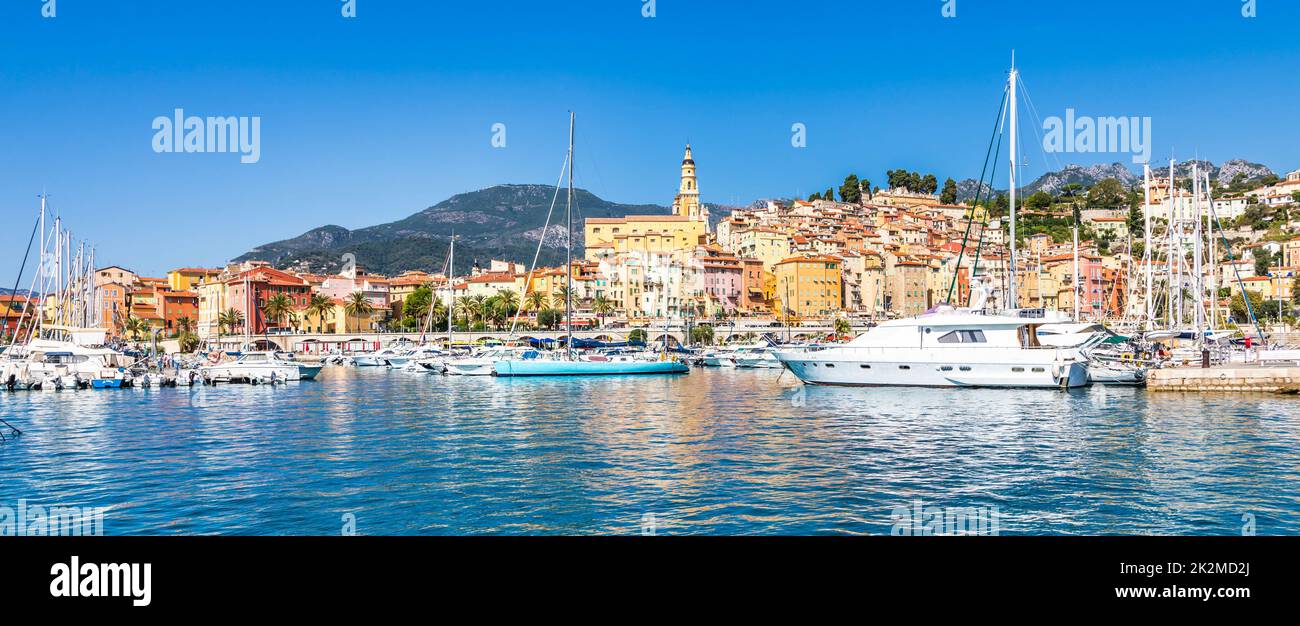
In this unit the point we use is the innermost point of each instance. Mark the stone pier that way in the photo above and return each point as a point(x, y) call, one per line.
point(1237, 378)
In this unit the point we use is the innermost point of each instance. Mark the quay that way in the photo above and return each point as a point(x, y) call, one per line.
point(1227, 378)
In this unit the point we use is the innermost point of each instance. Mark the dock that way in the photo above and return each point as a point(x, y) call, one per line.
point(1227, 378)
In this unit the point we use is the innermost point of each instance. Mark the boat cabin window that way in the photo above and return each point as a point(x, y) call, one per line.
point(254, 357)
point(964, 336)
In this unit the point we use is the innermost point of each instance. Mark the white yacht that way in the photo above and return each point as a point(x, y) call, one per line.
point(66, 364)
point(755, 357)
point(947, 348)
point(260, 366)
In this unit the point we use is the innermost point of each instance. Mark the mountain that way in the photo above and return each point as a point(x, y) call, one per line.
point(501, 222)
point(1052, 182)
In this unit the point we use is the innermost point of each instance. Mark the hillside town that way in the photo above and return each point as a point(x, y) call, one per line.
point(869, 255)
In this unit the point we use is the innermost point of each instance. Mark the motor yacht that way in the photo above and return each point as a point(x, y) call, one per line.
point(946, 348)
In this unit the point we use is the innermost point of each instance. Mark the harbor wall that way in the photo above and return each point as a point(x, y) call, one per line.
point(1227, 379)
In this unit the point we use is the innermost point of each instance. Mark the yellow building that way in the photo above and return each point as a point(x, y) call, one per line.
point(808, 286)
point(682, 230)
point(187, 278)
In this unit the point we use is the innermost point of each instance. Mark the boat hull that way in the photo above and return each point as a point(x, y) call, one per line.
point(539, 367)
point(847, 367)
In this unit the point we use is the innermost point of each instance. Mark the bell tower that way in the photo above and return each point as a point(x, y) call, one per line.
point(687, 203)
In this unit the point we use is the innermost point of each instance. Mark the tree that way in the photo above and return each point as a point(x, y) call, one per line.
point(929, 184)
point(949, 193)
point(416, 305)
point(842, 326)
point(1136, 222)
point(1107, 193)
point(357, 305)
point(318, 305)
point(702, 334)
point(851, 190)
point(277, 307)
point(535, 301)
point(549, 318)
point(601, 306)
point(815, 197)
point(231, 318)
point(185, 334)
point(637, 334)
point(507, 302)
point(561, 295)
point(134, 326)
point(1263, 261)
point(1039, 200)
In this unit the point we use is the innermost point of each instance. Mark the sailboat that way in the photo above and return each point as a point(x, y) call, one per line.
point(67, 350)
point(570, 363)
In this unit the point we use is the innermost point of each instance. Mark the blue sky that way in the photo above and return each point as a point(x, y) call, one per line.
point(370, 119)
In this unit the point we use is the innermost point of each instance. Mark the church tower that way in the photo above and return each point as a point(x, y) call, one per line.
point(687, 204)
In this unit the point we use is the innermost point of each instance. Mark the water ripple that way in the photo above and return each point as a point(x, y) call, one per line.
point(715, 452)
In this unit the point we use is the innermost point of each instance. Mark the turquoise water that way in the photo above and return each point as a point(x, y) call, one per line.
point(712, 452)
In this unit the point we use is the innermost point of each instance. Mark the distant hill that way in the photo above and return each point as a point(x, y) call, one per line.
point(1052, 182)
point(500, 222)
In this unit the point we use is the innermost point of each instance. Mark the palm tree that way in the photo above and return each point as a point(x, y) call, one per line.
point(507, 303)
point(277, 307)
point(230, 318)
point(134, 326)
point(357, 305)
point(317, 306)
point(560, 296)
point(842, 326)
point(535, 301)
point(185, 334)
point(601, 307)
point(464, 307)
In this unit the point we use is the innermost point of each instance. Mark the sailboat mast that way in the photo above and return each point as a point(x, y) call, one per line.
point(451, 288)
point(1011, 269)
point(568, 253)
point(1146, 247)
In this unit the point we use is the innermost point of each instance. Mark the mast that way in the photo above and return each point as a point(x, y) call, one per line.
point(568, 253)
point(1146, 248)
point(1175, 246)
point(451, 288)
point(1011, 270)
point(1078, 293)
point(1197, 278)
point(1209, 234)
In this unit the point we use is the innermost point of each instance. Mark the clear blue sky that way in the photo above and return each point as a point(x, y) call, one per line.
point(370, 119)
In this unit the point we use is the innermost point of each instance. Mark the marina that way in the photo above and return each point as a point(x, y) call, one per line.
point(718, 451)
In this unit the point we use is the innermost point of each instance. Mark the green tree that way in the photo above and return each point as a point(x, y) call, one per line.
point(277, 308)
point(549, 318)
point(851, 190)
point(1107, 193)
point(949, 193)
point(702, 335)
point(1136, 222)
point(318, 306)
point(185, 334)
point(842, 326)
point(231, 318)
point(416, 305)
point(601, 306)
point(637, 334)
point(535, 301)
point(357, 306)
point(1039, 200)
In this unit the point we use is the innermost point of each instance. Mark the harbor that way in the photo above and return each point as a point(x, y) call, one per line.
point(719, 451)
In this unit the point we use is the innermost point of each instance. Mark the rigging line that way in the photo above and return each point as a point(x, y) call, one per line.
point(18, 279)
point(979, 188)
point(1227, 247)
point(979, 247)
point(1037, 120)
point(540, 240)
point(433, 299)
